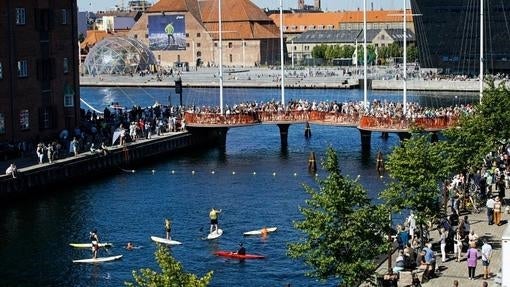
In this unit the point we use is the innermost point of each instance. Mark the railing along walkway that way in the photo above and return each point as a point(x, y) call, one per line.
point(369, 123)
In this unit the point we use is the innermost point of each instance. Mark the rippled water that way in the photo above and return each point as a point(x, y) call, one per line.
point(35, 233)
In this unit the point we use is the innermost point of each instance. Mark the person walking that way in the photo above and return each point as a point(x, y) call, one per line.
point(74, 145)
point(168, 228)
point(457, 248)
point(472, 259)
point(444, 235)
point(490, 210)
point(213, 215)
point(497, 211)
point(486, 257)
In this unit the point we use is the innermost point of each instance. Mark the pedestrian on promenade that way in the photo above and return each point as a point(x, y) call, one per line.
point(40, 152)
point(457, 248)
point(443, 236)
point(497, 211)
point(74, 146)
point(490, 210)
point(472, 259)
point(486, 257)
point(430, 260)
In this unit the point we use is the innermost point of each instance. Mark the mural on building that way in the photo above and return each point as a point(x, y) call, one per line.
point(167, 32)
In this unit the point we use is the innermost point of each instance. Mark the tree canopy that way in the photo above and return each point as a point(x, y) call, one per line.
point(172, 274)
point(344, 231)
point(417, 167)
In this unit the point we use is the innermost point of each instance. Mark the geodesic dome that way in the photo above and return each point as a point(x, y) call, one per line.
point(117, 55)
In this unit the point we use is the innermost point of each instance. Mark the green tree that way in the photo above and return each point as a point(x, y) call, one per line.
point(172, 274)
point(319, 51)
point(484, 130)
point(412, 53)
point(417, 168)
point(344, 231)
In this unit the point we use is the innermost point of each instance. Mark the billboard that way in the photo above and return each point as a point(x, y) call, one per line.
point(167, 32)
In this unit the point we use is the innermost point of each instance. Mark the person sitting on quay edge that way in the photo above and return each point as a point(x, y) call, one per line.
point(12, 170)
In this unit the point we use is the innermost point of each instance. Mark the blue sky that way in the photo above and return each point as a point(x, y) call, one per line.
point(328, 5)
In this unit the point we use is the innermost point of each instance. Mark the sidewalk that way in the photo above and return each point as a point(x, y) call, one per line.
point(452, 270)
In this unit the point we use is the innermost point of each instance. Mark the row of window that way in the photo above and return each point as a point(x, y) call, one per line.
point(21, 16)
point(46, 120)
point(310, 27)
point(22, 68)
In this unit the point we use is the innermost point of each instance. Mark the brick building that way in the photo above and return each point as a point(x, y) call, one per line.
point(186, 30)
point(38, 69)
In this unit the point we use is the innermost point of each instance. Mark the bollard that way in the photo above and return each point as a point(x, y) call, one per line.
point(312, 165)
point(308, 131)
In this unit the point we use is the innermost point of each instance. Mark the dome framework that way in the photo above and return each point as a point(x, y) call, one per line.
point(118, 55)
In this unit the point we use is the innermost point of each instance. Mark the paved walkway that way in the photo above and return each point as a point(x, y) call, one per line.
point(452, 270)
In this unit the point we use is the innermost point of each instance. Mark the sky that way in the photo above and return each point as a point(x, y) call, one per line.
point(327, 5)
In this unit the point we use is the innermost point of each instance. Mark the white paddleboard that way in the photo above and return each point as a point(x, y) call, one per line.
point(165, 241)
point(89, 245)
point(259, 231)
point(98, 260)
point(215, 234)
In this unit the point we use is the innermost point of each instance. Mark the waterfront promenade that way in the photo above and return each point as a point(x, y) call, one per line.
point(317, 77)
point(451, 270)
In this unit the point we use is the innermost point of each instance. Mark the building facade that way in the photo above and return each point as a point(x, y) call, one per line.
point(180, 31)
point(448, 35)
point(39, 76)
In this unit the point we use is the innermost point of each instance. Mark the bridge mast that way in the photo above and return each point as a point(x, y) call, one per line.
point(481, 50)
point(281, 52)
point(221, 57)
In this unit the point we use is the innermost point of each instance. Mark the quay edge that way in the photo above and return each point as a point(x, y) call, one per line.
point(37, 178)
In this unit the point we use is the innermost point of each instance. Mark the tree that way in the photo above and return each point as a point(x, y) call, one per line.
point(344, 231)
point(172, 273)
point(412, 53)
point(481, 132)
point(319, 51)
point(417, 168)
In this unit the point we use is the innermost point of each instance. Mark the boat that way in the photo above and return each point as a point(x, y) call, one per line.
point(165, 241)
point(230, 254)
point(260, 231)
point(215, 234)
point(98, 260)
point(89, 245)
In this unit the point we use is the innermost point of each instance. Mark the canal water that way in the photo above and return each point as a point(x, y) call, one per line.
point(252, 180)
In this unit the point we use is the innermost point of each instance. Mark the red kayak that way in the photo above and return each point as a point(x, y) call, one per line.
point(231, 254)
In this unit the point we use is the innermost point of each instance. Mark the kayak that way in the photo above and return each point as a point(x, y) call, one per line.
point(165, 241)
point(215, 234)
point(89, 245)
point(98, 260)
point(230, 254)
point(259, 231)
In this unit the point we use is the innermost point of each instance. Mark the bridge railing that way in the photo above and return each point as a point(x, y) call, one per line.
point(218, 119)
point(399, 123)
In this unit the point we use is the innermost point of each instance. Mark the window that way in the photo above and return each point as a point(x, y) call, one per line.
point(198, 35)
point(187, 45)
point(2, 124)
point(230, 58)
point(198, 45)
point(24, 120)
point(68, 95)
point(199, 54)
point(22, 69)
point(187, 35)
point(63, 13)
point(1, 71)
point(230, 44)
point(66, 65)
point(136, 36)
point(20, 16)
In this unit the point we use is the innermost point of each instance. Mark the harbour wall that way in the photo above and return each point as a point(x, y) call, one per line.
point(86, 166)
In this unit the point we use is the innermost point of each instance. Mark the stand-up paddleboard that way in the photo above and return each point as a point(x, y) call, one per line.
point(230, 254)
point(259, 231)
point(89, 245)
point(98, 260)
point(215, 234)
point(165, 241)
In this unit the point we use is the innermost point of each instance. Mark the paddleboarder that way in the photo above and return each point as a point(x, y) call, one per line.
point(168, 228)
point(213, 215)
point(95, 242)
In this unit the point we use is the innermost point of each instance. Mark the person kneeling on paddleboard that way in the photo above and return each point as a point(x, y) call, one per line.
point(95, 242)
point(241, 250)
point(213, 215)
